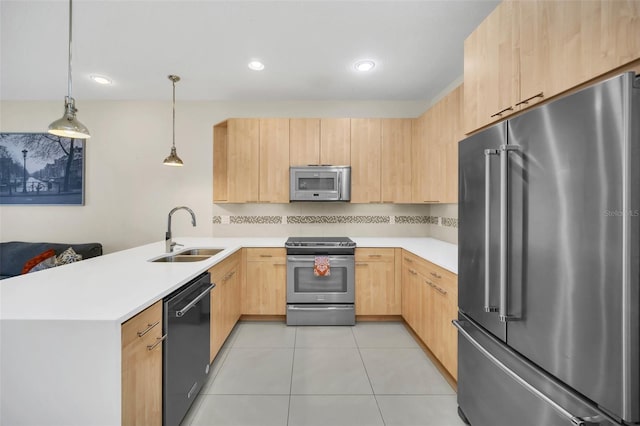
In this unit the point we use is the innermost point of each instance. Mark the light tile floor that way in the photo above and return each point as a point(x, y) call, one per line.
point(269, 374)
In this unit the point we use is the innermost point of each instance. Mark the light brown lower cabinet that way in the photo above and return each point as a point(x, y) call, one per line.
point(225, 301)
point(429, 304)
point(265, 291)
point(142, 368)
point(377, 290)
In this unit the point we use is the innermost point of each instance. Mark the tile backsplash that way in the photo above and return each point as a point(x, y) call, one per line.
point(362, 220)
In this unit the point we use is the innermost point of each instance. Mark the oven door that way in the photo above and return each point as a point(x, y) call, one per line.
point(304, 287)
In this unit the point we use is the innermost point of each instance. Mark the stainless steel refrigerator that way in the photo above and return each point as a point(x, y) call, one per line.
point(549, 253)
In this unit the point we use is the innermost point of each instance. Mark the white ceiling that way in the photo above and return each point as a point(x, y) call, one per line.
point(308, 48)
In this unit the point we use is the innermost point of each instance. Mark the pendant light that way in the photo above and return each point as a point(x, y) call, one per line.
point(68, 126)
point(173, 159)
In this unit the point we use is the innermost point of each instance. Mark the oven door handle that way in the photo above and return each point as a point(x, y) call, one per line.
point(311, 258)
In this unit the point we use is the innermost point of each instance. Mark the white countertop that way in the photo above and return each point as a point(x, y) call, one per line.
point(116, 286)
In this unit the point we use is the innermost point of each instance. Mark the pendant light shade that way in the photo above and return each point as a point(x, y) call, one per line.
point(68, 126)
point(173, 159)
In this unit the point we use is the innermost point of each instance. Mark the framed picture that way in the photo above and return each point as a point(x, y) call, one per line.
point(41, 169)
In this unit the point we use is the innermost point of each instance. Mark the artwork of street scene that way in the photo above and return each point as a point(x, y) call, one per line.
point(39, 168)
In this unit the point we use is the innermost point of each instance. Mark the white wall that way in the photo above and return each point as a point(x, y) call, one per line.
point(128, 190)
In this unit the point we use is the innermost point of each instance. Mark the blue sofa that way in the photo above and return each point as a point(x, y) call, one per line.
point(14, 254)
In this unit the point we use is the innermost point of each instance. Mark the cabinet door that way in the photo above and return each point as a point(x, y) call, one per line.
point(396, 160)
point(366, 140)
point(266, 282)
point(610, 34)
point(412, 301)
point(376, 288)
point(142, 368)
point(448, 147)
point(335, 141)
point(243, 159)
point(425, 163)
point(216, 328)
point(491, 70)
point(220, 153)
point(304, 141)
point(274, 160)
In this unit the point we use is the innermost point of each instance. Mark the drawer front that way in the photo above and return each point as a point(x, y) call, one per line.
point(266, 254)
point(375, 255)
point(144, 327)
point(222, 269)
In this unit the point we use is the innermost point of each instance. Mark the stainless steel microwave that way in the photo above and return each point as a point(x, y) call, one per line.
point(320, 183)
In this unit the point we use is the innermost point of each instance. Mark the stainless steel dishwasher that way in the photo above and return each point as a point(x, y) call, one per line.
point(187, 313)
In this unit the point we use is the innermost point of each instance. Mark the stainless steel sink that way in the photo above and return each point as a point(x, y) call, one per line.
point(190, 255)
point(200, 252)
point(182, 258)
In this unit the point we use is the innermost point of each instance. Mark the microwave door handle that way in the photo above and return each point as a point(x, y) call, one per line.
point(339, 186)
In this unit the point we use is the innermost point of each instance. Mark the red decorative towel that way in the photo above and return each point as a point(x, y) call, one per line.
point(321, 267)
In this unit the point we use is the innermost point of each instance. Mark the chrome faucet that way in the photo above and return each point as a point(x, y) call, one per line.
point(167, 237)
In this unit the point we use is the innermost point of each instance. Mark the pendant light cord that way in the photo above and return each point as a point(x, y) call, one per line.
point(70, 34)
point(174, 113)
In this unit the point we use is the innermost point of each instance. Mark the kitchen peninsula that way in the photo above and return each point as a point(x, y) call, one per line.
point(60, 336)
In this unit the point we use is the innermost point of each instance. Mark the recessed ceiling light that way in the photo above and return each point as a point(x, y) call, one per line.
point(366, 65)
point(100, 79)
point(256, 65)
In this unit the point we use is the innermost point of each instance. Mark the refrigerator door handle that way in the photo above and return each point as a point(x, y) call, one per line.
point(504, 231)
point(575, 420)
point(487, 229)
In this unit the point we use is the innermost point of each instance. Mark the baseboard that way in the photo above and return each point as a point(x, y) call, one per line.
point(246, 317)
point(373, 318)
point(445, 373)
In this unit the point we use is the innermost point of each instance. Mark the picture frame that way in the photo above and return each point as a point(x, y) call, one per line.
point(41, 169)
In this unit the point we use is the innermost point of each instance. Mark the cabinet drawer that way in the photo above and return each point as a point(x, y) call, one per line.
point(266, 254)
point(375, 255)
point(220, 270)
point(147, 325)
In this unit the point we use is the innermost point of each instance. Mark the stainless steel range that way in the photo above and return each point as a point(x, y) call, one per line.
point(320, 281)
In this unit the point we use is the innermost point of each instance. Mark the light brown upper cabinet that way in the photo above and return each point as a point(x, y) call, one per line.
point(435, 137)
point(304, 141)
point(366, 145)
point(335, 141)
point(274, 160)
point(529, 51)
point(320, 141)
point(491, 75)
point(251, 161)
point(236, 174)
point(396, 160)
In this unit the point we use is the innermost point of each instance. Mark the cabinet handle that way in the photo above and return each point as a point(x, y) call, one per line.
point(158, 341)
point(228, 276)
point(375, 255)
point(430, 283)
point(362, 264)
point(526, 101)
point(148, 329)
point(433, 274)
point(431, 201)
point(266, 255)
point(412, 272)
point(441, 291)
point(499, 113)
point(387, 201)
point(406, 259)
